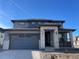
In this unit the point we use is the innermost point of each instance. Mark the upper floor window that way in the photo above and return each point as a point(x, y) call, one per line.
point(40, 22)
point(21, 23)
point(33, 23)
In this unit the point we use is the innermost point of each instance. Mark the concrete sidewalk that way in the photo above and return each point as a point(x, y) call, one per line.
point(19, 54)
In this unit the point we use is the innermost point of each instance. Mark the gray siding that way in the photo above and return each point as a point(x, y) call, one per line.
point(24, 41)
point(34, 24)
point(20, 25)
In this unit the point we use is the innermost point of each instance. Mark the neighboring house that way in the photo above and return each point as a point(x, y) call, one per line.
point(76, 42)
point(1, 37)
point(37, 34)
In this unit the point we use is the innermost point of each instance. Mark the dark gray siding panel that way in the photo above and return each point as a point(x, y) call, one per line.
point(26, 41)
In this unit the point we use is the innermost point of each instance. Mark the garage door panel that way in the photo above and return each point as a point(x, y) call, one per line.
point(28, 42)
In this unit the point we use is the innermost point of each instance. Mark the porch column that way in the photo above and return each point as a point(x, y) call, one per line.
point(56, 40)
point(71, 38)
point(6, 41)
point(42, 39)
point(51, 39)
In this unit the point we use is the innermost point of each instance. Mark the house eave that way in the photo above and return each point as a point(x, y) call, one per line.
point(37, 20)
point(66, 30)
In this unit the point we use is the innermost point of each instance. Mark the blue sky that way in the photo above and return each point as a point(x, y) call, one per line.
point(67, 10)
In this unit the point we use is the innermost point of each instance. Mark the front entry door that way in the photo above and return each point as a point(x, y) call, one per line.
point(47, 38)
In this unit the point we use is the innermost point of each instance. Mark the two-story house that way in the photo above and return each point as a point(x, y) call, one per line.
point(38, 34)
point(38, 39)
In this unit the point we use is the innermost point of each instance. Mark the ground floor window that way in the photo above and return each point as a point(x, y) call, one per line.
point(64, 40)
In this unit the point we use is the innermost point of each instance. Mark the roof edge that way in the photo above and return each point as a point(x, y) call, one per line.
point(44, 20)
point(68, 29)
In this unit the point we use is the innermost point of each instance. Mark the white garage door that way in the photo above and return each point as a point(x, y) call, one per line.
point(24, 41)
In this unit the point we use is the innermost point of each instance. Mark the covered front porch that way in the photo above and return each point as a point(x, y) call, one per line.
point(66, 38)
point(55, 38)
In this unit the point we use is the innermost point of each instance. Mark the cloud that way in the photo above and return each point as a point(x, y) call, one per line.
point(4, 14)
point(3, 26)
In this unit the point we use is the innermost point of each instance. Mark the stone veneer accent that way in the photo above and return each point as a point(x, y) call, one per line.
point(54, 55)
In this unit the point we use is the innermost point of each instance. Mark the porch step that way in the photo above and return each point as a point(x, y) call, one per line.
point(49, 49)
